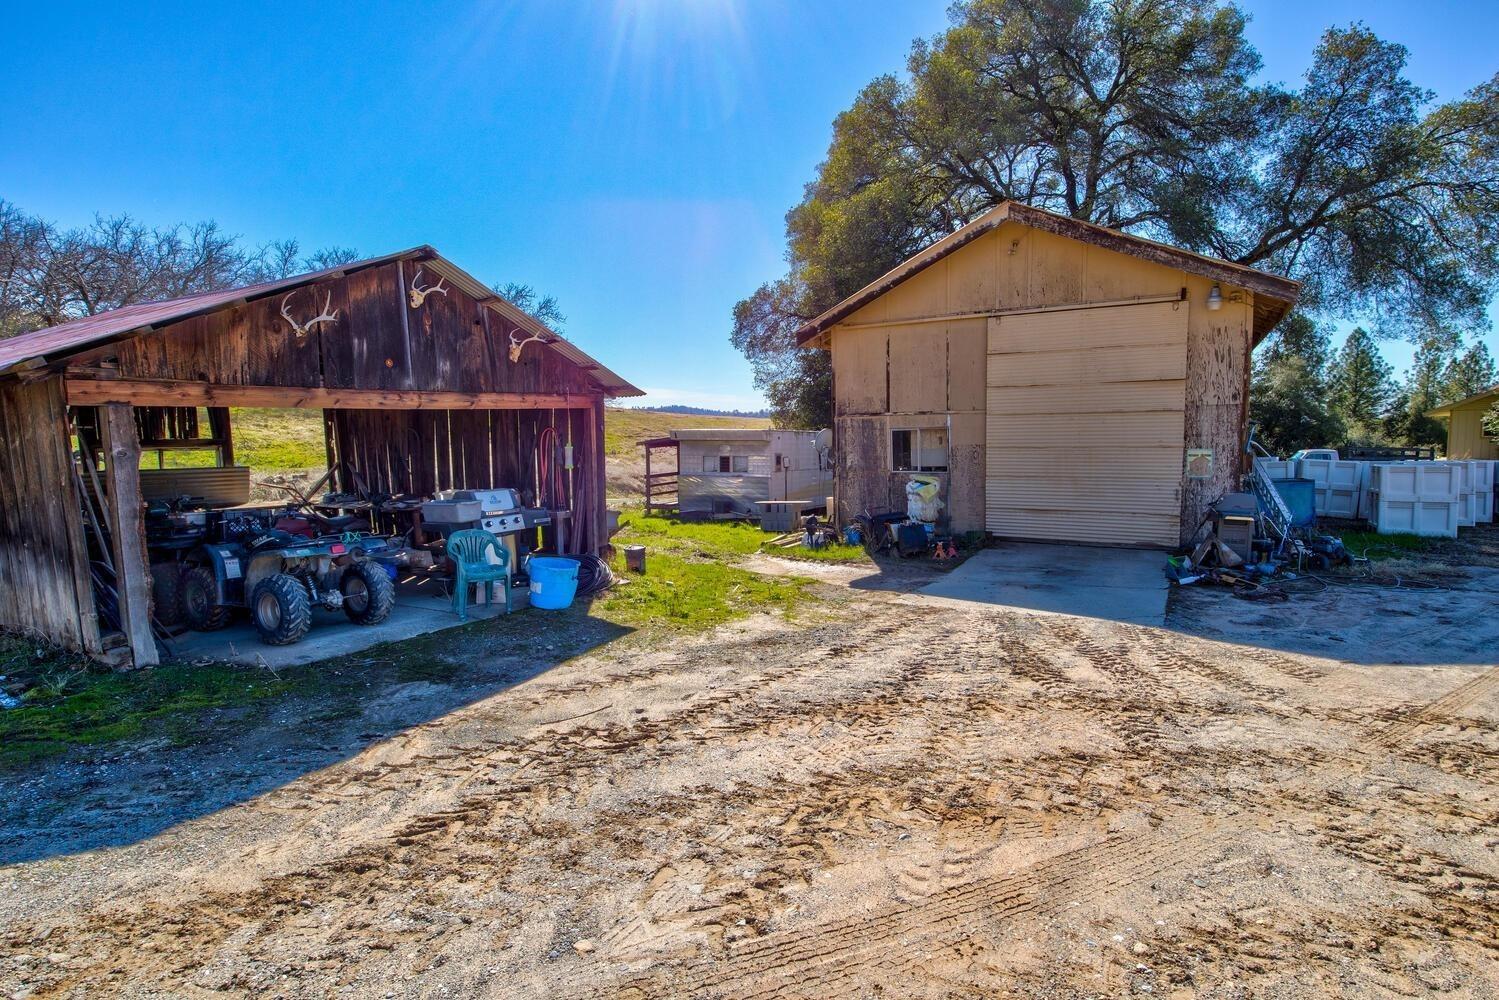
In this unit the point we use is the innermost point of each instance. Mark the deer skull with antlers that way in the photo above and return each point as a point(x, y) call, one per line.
point(418, 294)
point(303, 329)
point(517, 342)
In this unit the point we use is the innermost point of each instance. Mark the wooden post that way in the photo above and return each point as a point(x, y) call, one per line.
point(127, 530)
point(647, 480)
point(222, 434)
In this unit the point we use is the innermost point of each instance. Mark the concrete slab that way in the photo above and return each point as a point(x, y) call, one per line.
point(1125, 585)
point(421, 607)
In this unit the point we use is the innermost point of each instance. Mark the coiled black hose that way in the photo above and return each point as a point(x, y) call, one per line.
point(594, 575)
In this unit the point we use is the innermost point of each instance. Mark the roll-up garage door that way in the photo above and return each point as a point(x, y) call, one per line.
point(1085, 424)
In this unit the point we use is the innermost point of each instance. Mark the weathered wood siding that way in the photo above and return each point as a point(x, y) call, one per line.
point(452, 342)
point(421, 452)
point(44, 583)
point(891, 367)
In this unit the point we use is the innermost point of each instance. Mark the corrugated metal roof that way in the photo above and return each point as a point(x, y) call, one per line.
point(59, 342)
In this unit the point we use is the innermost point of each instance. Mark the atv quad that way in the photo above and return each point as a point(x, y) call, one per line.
point(280, 577)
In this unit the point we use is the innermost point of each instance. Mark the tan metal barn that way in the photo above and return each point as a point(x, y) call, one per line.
point(1065, 381)
point(1465, 436)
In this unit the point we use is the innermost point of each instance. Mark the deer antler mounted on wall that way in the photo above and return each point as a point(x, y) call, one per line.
point(418, 294)
point(303, 329)
point(517, 344)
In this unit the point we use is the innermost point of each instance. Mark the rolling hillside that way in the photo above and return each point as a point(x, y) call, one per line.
point(622, 428)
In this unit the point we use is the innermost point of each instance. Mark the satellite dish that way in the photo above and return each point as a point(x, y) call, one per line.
point(824, 439)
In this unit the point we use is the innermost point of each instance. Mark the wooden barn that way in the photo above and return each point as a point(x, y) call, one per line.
point(426, 381)
point(1065, 382)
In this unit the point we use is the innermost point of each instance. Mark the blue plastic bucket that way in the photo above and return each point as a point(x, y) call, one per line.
point(554, 581)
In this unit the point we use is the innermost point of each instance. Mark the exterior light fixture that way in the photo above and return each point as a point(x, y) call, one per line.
point(1215, 299)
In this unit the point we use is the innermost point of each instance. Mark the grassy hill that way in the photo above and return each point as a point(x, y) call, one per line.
point(286, 441)
point(622, 428)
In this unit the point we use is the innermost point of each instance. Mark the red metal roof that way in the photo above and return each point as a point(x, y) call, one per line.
point(58, 342)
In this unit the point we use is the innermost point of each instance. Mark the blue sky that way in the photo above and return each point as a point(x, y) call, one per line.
point(635, 158)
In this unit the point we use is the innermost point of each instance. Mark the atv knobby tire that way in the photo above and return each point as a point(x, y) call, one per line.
point(166, 593)
point(199, 599)
point(280, 609)
point(369, 594)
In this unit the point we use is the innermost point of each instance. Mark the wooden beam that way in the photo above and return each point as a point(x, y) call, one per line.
point(127, 531)
point(164, 392)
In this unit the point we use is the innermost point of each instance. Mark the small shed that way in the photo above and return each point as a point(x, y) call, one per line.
point(1064, 382)
point(1465, 435)
point(425, 380)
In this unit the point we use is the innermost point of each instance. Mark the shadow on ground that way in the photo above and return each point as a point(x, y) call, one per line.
point(1451, 622)
point(1353, 622)
point(124, 792)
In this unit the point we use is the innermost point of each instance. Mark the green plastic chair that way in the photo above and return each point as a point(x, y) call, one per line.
point(468, 549)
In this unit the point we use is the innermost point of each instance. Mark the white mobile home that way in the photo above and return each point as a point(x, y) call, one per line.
point(723, 471)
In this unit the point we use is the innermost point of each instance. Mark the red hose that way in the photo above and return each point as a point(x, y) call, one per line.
point(551, 488)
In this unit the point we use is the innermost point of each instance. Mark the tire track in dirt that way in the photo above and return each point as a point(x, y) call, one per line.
point(502, 798)
point(819, 962)
point(835, 959)
point(422, 842)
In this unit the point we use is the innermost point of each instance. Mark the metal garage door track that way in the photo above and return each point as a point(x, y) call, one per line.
point(1125, 585)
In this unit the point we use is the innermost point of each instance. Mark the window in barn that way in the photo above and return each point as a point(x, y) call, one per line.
point(918, 450)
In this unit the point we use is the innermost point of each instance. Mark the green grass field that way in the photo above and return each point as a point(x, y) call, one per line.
point(623, 428)
point(691, 582)
point(278, 441)
point(72, 702)
point(268, 441)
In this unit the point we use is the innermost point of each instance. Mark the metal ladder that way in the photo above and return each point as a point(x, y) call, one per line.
point(1276, 511)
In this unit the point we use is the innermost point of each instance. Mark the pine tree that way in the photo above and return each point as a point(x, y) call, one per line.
point(1408, 423)
point(1361, 385)
point(1288, 396)
point(1287, 409)
point(1469, 374)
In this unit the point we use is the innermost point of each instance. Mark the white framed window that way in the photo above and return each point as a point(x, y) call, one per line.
point(726, 463)
point(918, 449)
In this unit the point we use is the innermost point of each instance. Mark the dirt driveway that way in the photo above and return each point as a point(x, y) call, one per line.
point(889, 799)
